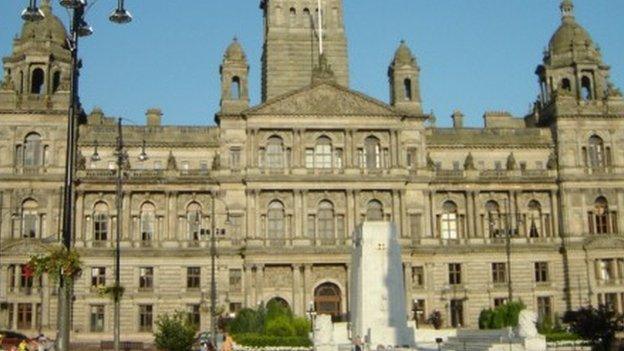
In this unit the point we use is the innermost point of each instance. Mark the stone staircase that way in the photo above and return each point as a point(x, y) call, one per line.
point(482, 340)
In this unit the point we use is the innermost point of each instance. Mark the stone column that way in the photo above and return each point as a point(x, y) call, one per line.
point(297, 300)
point(348, 150)
point(391, 155)
point(403, 213)
point(79, 217)
point(4, 275)
point(349, 213)
point(258, 232)
point(407, 280)
point(247, 286)
point(432, 216)
point(298, 215)
point(396, 216)
point(45, 301)
point(554, 214)
point(307, 285)
point(356, 207)
point(260, 283)
point(304, 214)
point(469, 215)
point(126, 218)
point(348, 287)
point(475, 213)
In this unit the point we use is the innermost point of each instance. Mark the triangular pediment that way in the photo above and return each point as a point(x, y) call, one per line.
point(24, 247)
point(323, 99)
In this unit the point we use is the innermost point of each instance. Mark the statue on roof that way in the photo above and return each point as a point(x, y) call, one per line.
point(469, 164)
point(512, 165)
point(172, 164)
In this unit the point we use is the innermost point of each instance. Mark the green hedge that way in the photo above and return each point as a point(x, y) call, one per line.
point(561, 336)
point(260, 340)
point(502, 316)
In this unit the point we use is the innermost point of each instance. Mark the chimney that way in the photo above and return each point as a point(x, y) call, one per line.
point(458, 119)
point(153, 117)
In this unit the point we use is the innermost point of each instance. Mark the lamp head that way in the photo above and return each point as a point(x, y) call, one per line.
point(120, 16)
point(72, 4)
point(32, 13)
point(143, 155)
point(84, 29)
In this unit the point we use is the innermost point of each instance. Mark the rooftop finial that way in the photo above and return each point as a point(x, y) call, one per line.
point(567, 9)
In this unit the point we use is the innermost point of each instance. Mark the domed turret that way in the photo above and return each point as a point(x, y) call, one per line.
point(50, 28)
point(404, 76)
point(572, 65)
point(234, 79)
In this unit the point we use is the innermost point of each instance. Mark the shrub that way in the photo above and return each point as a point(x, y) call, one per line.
point(280, 326)
point(175, 332)
point(302, 326)
point(596, 324)
point(502, 316)
point(275, 310)
point(561, 336)
point(435, 319)
point(260, 340)
point(247, 321)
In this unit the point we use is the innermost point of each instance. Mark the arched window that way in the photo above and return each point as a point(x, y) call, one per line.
point(275, 216)
point(565, 84)
point(235, 88)
point(601, 220)
point(586, 88)
point(293, 16)
point(327, 299)
point(148, 222)
point(306, 17)
point(374, 211)
point(449, 221)
point(279, 16)
point(21, 82)
point(275, 152)
point(493, 219)
point(56, 81)
point(37, 81)
point(100, 221)
point(326, 220)
point(596, 153)
point(30, 219)
point(534, 219)
point(32, 150)
point(193, 218)
point(323, 153)
point(407, 89)
point(372, 153)
point(278, 302)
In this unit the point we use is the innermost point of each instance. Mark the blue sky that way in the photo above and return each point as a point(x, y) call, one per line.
point(475, 55)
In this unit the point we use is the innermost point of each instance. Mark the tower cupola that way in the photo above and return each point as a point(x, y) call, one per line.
point(404, 75)
point(234, 79)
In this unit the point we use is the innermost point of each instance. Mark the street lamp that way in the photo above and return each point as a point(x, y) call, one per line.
point(78, 28)
point(121, 159)
point(214, 231)
point(312, 313)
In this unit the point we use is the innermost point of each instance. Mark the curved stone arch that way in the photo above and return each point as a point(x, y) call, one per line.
point(602, 134)
point(458, 200)
point(343, 292)
point(280, 298)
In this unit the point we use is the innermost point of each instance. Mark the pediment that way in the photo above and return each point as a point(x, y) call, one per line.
point(324, 99)
point(23, 247)
point(606, 241)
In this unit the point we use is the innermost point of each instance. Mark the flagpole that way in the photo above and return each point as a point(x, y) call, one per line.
point(320, 24)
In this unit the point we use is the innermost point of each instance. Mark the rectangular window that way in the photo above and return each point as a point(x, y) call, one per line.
point(11, 315)
point(98, 277)
point(606, 271)
point(236, 227)
point(544, 308)
point(97, 318)
point(338, 158)
point(499, 273)
point(609, 300)
point(26, 279)
point(541, 272)
point(146, 278)
point(145, 318)
point(193, 277)
point(236, 280)
point(360, 158)
point(235, 307)
point(30, 225)
point(309, 158)
point(194, 314)
point(418, 276)
point(412, 158)
point(414, 224)
point(100, 226)
point(311, 226)
point(24, 316)
point(235, 158)
point(457, 313)
point(455, 276)
point(499, 301)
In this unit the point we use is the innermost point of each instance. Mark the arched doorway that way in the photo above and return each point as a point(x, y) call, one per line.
point(279, 302)
point(328, 300)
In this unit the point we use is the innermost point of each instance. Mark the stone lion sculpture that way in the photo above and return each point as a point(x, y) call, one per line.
point(527, 324)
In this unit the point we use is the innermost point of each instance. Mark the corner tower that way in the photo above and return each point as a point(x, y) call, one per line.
point(291, 43)
point(404, 76)
point(36, 74)
point(234, 79)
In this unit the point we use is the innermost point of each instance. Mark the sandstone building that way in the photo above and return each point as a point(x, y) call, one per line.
point(287, 181)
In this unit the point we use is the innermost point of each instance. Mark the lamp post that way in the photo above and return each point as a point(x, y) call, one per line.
point(214, 231)
point(121, 159)
point(312, 314)
point(78, 28)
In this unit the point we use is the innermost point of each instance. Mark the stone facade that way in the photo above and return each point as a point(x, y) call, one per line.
point(289, 181)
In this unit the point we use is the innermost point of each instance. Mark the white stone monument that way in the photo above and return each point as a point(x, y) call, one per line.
point(377, 303)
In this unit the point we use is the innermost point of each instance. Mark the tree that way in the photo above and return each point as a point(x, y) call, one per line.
point(175, 332)
point(596, 324)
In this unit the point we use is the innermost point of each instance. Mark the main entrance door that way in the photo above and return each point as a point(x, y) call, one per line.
point(327, 300)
